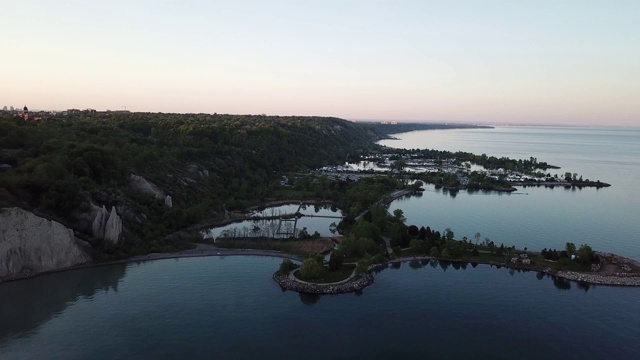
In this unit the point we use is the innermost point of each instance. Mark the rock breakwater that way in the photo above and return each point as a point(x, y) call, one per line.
point(619, 279)
point(354, 285)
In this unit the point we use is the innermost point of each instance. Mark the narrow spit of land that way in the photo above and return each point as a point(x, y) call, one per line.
point(358, 282)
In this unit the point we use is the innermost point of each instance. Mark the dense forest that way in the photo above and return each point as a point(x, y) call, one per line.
point(208, 164)
point(166, 172)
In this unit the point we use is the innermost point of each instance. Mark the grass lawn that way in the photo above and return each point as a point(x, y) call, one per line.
point(329, 276)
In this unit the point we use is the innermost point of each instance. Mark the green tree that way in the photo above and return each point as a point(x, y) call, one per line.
point(585, 254)
point(398, 216)
point(363, 265)
point(571, 249)
point(354, 248)
point(335, 260)
point(434, 251)
point(399, 164)
point(303, 233)
point(311, 269)
point(448, 234)
point(365, 229)
point(286, 266)
point(397, 251)
point(418, 246)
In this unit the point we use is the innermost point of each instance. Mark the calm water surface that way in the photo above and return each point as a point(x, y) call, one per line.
point(229, 308)
point(317, 218)
point(608, 219)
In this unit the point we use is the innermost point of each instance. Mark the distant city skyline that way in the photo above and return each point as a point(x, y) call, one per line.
point(509, 62)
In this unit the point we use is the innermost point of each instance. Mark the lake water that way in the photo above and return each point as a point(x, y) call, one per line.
point(608, 219)
point(316, 218)
point(229, 308)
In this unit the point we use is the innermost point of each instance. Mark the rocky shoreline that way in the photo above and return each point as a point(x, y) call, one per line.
point(598, 279)
point(366, 279)
point(354, 285)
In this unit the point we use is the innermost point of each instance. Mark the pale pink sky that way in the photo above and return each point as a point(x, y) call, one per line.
point(548, 62)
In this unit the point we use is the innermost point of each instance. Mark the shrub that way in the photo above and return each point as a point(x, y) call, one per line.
point(397, 251)
point(335, 260)
point(286, 266)
point(311, 269)
point(434, 251)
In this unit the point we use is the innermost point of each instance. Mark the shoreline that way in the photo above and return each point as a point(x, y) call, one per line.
point(201, 250)
point(590, 278)
point(356, 283)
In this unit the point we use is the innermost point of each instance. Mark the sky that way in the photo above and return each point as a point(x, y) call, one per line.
point(569, 62)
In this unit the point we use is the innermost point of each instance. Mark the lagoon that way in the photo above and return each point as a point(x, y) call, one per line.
point(314, 218)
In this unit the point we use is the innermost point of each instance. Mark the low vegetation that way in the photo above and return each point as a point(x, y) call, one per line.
point(304, 247)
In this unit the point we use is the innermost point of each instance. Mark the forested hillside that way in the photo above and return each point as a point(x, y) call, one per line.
point(203, 162)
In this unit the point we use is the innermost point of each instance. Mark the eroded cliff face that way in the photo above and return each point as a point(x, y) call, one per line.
point(106, 226)
point(30, 245)
point(138, 183)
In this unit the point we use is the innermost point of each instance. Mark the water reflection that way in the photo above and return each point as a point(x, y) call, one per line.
point(415, 264)
point(26, 304)
point(309, 299)
point(561, 283)
point(585, 286)
point(444, 265)
point(313, 218)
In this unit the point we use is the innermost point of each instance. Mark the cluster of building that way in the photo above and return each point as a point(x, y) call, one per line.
point(413, 163)
point(41, 115)
point(23, 113)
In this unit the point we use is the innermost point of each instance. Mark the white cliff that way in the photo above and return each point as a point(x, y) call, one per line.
point(106, 226)
point(138, 183)
point(113, 227)
point(30, 245)
point(99, 222)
